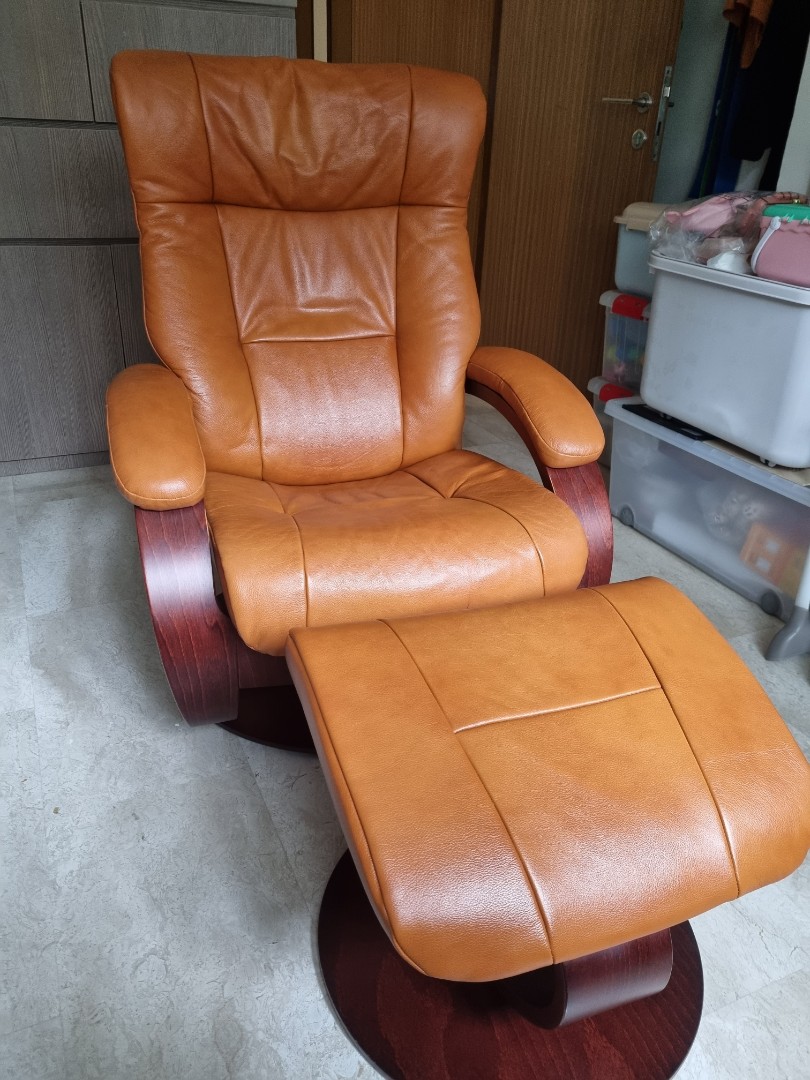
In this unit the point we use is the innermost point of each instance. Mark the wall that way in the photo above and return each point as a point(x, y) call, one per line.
point(795, 174)
point(319, 23)
point(697, 66)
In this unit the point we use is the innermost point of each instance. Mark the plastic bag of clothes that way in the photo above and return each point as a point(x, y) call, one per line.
point(720, 231)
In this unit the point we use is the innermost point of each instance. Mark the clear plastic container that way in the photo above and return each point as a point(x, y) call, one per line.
point(626, 321)
point(603, 392)
point(746, 525)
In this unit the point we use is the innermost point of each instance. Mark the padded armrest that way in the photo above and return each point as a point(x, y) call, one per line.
point(559, 421)
point(156, 456)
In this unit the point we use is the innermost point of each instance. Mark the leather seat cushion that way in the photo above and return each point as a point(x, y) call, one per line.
point(452, 532)
point(528, 784)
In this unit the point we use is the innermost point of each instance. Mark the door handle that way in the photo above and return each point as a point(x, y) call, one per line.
point(642, 102)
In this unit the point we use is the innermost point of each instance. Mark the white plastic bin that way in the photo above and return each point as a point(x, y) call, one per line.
point(743, 523)
point(730, 354)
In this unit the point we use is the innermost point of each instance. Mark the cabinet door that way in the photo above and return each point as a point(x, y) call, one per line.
point(43, 71)
point(129, 290)
point(455, 36)
point(60, 182)
point(60, 344)
point(111, 26)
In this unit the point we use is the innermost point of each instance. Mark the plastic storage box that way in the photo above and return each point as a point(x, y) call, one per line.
point(626, 322)
point(743, 523)
point(603, 392)
point(633, 249)
point(730, 354)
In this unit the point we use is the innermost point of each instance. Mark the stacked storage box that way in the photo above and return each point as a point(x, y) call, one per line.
point(744, 523)
point(627, 313)
point(730, 353)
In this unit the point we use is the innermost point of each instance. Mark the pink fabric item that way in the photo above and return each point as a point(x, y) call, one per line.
point(783, 252)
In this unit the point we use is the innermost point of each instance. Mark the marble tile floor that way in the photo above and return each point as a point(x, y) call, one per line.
point(160, 885)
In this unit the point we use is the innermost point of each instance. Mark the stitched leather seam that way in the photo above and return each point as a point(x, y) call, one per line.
point(518, 856)
point(260, 448)
point(396, 334)
point(646, 656)
point(460, 483)
point(205, 126)
point(308, 340)
point(396, 268)
point(326, 736)
point(295, 210)
point(274, 488)
point(408, 140)
point(562, 709)
point(483, 502)
point(294, 520)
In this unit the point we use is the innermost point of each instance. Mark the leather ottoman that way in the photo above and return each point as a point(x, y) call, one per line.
point(532, 796)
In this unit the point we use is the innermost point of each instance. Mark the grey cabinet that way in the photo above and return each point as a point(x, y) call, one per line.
point(63, 183)
point(60, 344)
point(126, 265)
point(43, 70)
point(71, 312)
point(111, 27)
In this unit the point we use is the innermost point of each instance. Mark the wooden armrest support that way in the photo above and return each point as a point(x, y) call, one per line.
point(580, 486)
point(197, 641)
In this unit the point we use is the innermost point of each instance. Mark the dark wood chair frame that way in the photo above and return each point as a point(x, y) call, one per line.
point(214, 676)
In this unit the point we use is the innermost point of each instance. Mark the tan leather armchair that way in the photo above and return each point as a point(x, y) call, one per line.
point(309, 290)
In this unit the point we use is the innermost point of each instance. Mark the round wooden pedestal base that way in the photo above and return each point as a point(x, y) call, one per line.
point(416, 1028)
point(272, 716)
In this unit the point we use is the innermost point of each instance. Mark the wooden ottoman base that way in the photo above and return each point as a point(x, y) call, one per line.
point(272, 716)
point(413, 1027)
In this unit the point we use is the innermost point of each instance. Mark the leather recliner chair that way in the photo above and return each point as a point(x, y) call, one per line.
point(309, 290)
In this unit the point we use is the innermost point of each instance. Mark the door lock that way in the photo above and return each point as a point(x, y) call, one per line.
point(638, 138)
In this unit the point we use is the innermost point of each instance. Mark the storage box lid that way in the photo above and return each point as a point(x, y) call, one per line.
point(627, 304)
point(639, 216)
point(607, 391)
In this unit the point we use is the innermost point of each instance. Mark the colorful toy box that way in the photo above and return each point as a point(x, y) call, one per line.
point(626, 322)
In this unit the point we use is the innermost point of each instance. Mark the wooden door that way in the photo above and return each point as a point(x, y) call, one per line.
point(562, 166)
point(455, 35)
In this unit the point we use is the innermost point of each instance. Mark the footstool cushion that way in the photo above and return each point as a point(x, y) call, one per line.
point(527, 784)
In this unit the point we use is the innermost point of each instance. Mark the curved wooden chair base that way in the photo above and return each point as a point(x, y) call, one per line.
point(272, 716)
point(417, 1028)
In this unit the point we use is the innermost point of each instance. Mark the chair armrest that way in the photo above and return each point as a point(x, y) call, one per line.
point(559, 424)
point(155, 451)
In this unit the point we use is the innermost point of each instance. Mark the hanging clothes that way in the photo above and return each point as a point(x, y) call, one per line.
point(753, 106)
point(768, 88)
point(750, 17)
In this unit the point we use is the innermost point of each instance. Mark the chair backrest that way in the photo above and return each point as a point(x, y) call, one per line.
point(305, 257)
